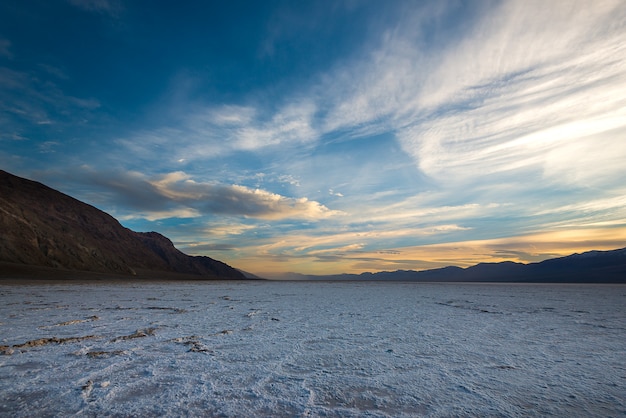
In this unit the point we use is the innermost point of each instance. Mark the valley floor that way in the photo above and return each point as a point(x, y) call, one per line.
point(312, 349)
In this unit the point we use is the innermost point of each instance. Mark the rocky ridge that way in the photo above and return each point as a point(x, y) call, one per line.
point(42, 227)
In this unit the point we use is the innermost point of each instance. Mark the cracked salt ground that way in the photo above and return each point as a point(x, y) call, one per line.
point(312, 349)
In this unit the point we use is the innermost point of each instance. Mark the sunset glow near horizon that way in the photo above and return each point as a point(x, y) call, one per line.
point(325, 137)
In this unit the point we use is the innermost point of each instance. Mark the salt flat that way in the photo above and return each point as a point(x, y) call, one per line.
point(312, 349)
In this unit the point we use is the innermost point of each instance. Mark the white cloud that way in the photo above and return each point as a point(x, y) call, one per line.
point(177, 194)
point(289, 179)
point(237, 200)
point(267, 205)
point(228, 229)
point(512, 37)
point(614, 206)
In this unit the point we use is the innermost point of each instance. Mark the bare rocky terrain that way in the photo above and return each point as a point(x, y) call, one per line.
point(46, 233)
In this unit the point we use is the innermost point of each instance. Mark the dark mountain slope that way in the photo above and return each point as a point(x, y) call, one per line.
point(43, 227)
point(591, 266)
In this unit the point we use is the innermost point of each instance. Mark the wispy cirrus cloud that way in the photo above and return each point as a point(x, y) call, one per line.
point(216, 131)
point(35, 99)
point(530, 88)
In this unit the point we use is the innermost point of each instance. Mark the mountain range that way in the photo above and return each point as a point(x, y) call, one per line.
point(46, 233)
point(588, 267)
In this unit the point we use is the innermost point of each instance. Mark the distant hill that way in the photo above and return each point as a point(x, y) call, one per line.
point(45, 231)
point(588, 267)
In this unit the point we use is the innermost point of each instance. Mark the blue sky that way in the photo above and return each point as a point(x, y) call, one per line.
point(326, 137)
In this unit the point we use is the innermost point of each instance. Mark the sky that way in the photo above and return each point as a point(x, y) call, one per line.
point(322, 137)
